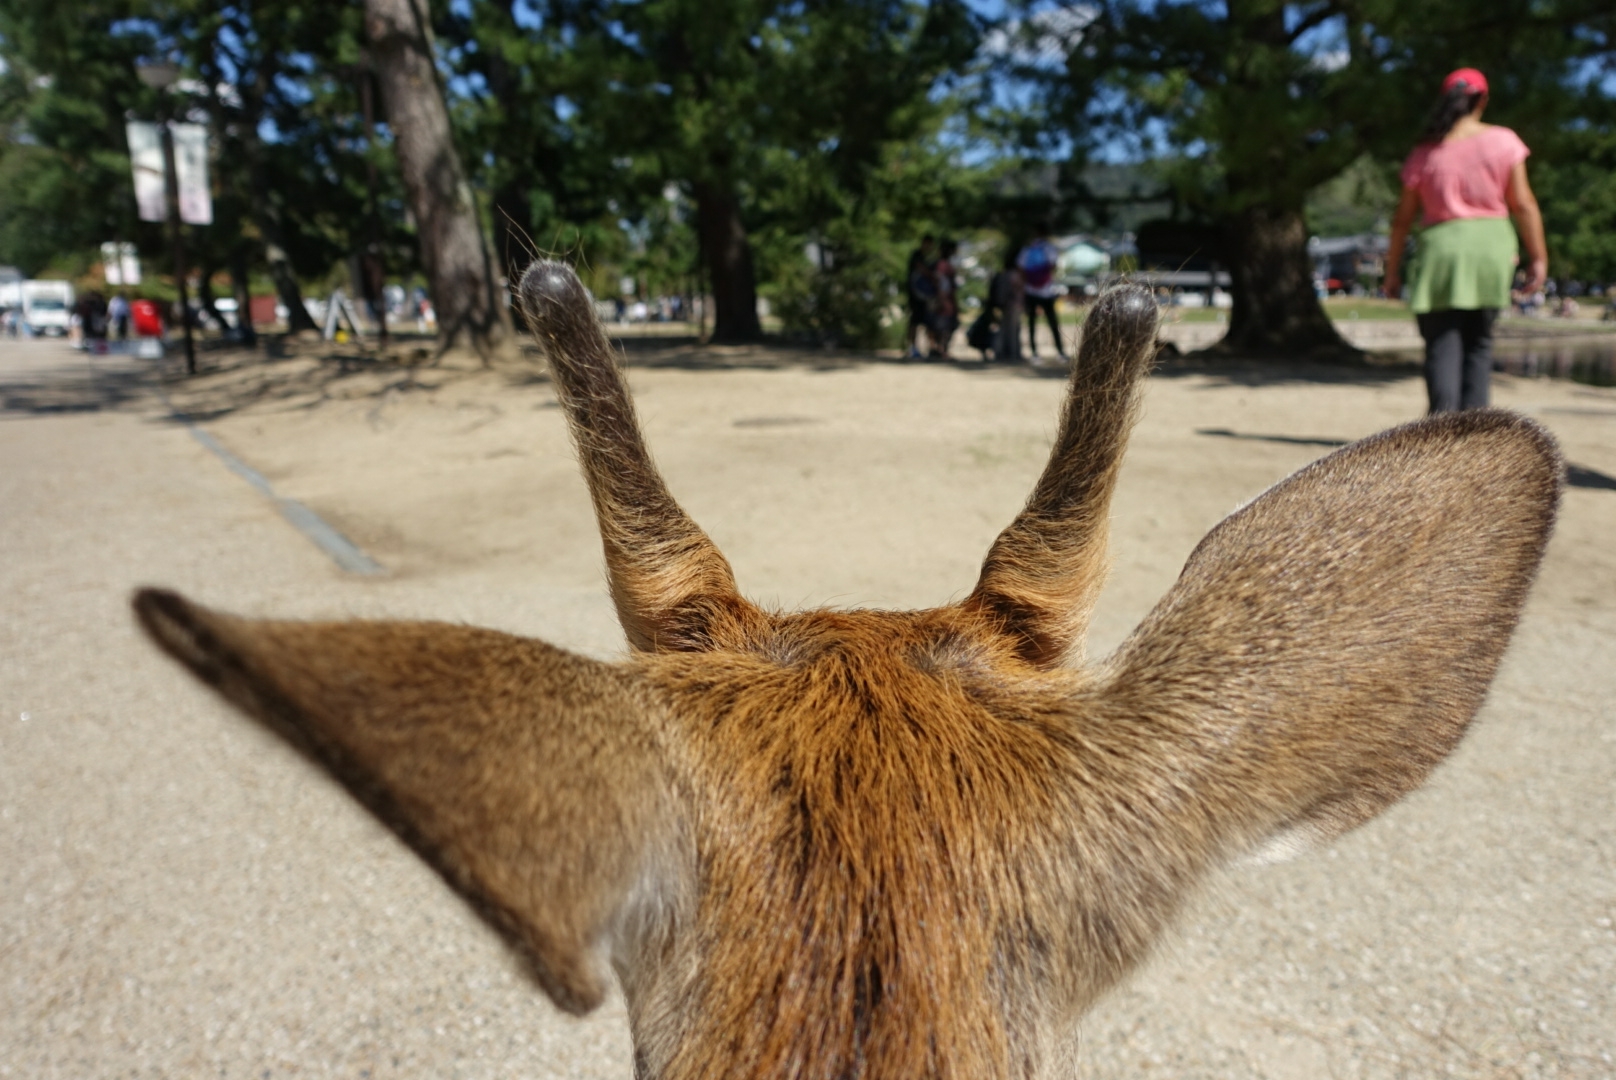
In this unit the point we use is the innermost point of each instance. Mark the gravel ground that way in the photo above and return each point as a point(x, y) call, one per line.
point(181, 896)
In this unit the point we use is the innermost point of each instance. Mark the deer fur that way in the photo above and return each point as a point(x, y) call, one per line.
point(892, 844)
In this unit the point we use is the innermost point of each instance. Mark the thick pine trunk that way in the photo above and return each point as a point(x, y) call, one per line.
point(1276, 311)
point(287, 289)
point(468, 308)
point(727, 254)
point(281, 273)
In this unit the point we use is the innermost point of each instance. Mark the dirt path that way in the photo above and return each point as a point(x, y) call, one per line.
point(179, 895)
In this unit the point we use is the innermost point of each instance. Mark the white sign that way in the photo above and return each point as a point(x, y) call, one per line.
point(191, 173)
point(121, 264)
point(146, 160)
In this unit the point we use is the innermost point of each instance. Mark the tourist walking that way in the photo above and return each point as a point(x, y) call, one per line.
point(1466, 179)
point(1004, 293)
point(118, 315)
point(1039, 289)
point(921, 286)
point(945, 310)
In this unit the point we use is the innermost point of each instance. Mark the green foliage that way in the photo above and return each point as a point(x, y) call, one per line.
point(600, 127)
point(297, 69)
point(64, 175)
point(291, 67)
point(839, 127)
point(1259, 102)
point(1360, 200)
point(1253, 105)
point(1576, 187)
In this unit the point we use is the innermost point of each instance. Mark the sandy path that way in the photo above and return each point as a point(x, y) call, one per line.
point(179, 896)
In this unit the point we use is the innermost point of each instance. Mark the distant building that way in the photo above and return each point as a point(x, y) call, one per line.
point(1341, 263)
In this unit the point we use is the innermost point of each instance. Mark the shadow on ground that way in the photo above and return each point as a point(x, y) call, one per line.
point(290, 374)
point(1592, 479)
point(1290, 440)
point(1576, 475)
point(84, 385)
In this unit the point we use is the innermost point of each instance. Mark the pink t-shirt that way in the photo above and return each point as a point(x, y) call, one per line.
point(1465, 178)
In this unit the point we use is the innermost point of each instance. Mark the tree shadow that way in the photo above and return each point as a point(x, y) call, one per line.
point(89, 386)
point(1577, 476)
point(1289, 440)
point(1590, 479)
point(1377, 370)
point(290, 374)
point(293, 376)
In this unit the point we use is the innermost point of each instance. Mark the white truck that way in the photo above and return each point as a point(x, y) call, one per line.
point(47, 306)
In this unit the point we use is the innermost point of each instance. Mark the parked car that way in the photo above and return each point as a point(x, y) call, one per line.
point(47, 306)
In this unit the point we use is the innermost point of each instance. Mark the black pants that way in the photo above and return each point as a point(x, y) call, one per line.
point(1033, 303)
point(1458, 357)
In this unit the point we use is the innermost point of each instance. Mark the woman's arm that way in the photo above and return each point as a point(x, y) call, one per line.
point(1529, 222)
point(1402, 222)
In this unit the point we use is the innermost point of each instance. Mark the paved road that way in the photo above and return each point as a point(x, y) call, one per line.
point(180, 896)
point(162, 911)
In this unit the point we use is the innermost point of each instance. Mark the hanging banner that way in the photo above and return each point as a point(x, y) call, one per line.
point(191, 173)
point(146, 159)
point(121, 264)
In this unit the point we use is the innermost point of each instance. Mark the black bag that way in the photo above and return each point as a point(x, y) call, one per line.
point(980, 335)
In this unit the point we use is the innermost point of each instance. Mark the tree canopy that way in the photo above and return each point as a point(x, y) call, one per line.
point(792, 149)
point(1252, 105)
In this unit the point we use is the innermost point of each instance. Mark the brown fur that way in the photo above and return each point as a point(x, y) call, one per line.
point(899, 844)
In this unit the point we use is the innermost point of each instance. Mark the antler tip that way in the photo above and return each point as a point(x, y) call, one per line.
point(549, 289)
point(1129, 309)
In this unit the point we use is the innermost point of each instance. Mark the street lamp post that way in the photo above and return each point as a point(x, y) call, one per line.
point(159, 77)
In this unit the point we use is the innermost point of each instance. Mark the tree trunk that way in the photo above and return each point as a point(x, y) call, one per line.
point(267, 218)
point(728, 257)
point(205, 297)
point(469, 311)
point(511, 211)
point(1276, 311)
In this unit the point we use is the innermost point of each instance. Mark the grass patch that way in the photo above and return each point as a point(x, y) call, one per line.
point(1365, 307)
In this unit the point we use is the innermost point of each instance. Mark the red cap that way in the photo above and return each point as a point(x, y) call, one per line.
point(1470, 78)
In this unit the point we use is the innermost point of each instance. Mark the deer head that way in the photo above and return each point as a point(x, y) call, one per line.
point(893, 844)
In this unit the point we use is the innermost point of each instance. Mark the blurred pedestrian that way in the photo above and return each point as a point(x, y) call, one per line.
point(95, 322)
point(945, 310)
point(1469, 179)
point(920, 283)
point(118, 315)
point(1039, 288)
point(1004, 293)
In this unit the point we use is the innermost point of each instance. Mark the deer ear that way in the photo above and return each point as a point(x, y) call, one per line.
point(531, 779)
point(1327, 645)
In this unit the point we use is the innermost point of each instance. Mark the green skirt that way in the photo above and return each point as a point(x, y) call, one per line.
point(1464, 264)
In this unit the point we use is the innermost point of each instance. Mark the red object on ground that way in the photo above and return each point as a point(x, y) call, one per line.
point(148, 321)
point(261, 309)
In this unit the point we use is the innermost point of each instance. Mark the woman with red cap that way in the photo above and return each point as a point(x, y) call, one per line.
point(1469, 179)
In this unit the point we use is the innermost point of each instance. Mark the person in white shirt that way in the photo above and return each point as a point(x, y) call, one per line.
point(1037, 263)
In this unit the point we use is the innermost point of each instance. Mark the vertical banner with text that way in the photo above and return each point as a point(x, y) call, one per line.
point(191, 173)
point(146, 159)
point(120, 264)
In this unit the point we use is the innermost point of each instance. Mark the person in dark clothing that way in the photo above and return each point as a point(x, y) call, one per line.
point(945, 311)
point(921, 285)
